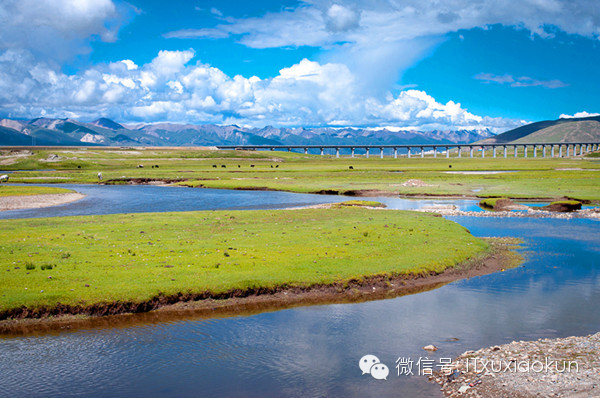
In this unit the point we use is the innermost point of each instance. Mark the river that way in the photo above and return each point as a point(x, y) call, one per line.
point(314, 351)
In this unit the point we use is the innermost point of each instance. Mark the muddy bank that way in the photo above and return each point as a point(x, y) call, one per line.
point(543, 368)
point(25, 320)
point(142, 181)
point(37, 201)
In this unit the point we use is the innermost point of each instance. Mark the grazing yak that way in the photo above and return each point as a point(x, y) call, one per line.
point(4, 178)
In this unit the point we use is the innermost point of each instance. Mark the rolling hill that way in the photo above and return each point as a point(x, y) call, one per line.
point(561, 130)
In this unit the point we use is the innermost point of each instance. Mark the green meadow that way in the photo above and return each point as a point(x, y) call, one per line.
point(11, 190)
point(135, 257)
point(525, 178)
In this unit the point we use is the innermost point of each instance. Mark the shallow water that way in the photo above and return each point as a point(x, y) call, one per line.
point(111, 199)
point(314, 351)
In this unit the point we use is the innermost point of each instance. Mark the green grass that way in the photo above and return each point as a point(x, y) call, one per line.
point(359, 203)
point(566, 202)
point(134, 257)
point(489, 202)
point(548, 178)
point(11, 190)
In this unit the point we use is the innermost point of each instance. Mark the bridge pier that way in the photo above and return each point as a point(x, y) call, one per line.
point(470, 151)
point(535, 151)
point(447, 152)
point(483, 151)
point(516, 150)
point(580, 149)
point(306, 151)
point(543, 151)
point(395, 153)
point(551, 151)
point(435, 152)
point(321, 151)
point(337, 152)
point(380, 153)
point(422, 152)
point(352, 150)
point(409, 152)
point(568, 150)
point(367, 153)
point(494, 151)
point(560, 151)
point(525, 150)
point(505, 151)
point(459, 151)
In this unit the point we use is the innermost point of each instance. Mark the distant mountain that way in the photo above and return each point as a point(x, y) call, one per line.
point(103, 131)
point(561, 130)
point(107, 123)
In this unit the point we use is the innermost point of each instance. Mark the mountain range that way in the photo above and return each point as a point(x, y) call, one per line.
point(106, 132)
point(103, 131)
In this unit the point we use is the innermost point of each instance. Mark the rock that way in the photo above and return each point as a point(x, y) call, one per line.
point(463, 389)
point(430, 347)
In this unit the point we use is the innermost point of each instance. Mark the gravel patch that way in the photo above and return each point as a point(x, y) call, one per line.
point(452, 210)
point(565, 367)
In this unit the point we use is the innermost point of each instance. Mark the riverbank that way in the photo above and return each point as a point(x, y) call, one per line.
point(15, 202)
point(499, 256)
point(544, 368)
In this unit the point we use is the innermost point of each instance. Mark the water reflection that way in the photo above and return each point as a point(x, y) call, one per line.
point(111, 199)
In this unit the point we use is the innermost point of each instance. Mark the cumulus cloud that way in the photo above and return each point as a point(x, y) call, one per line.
point(521, 81)
point(579, 115)
point(172, 87)
point(409, 19)
point(56, 30)
point(394, 34)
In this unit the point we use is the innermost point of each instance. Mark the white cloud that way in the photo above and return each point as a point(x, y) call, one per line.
point(378, 39)
point(341, 19)
point(521, 81)
point(172, 87)
point(579, 115)
point(58, 29)
point(130, 64)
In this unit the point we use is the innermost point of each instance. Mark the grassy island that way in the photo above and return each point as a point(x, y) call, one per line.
point(91, 260)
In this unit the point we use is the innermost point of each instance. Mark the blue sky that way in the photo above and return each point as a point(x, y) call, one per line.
point(417, 64)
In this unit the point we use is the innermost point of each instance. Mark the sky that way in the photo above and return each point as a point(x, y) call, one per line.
point(401, 64)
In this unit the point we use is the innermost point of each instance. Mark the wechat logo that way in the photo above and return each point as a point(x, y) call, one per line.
point(370, 364)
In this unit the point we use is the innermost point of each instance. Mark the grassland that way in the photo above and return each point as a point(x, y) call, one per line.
point(12, 190)
point(547, 178)
point(81, 261)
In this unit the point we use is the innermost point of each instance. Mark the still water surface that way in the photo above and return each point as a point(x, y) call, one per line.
point(111, 199)
point(314, 351)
